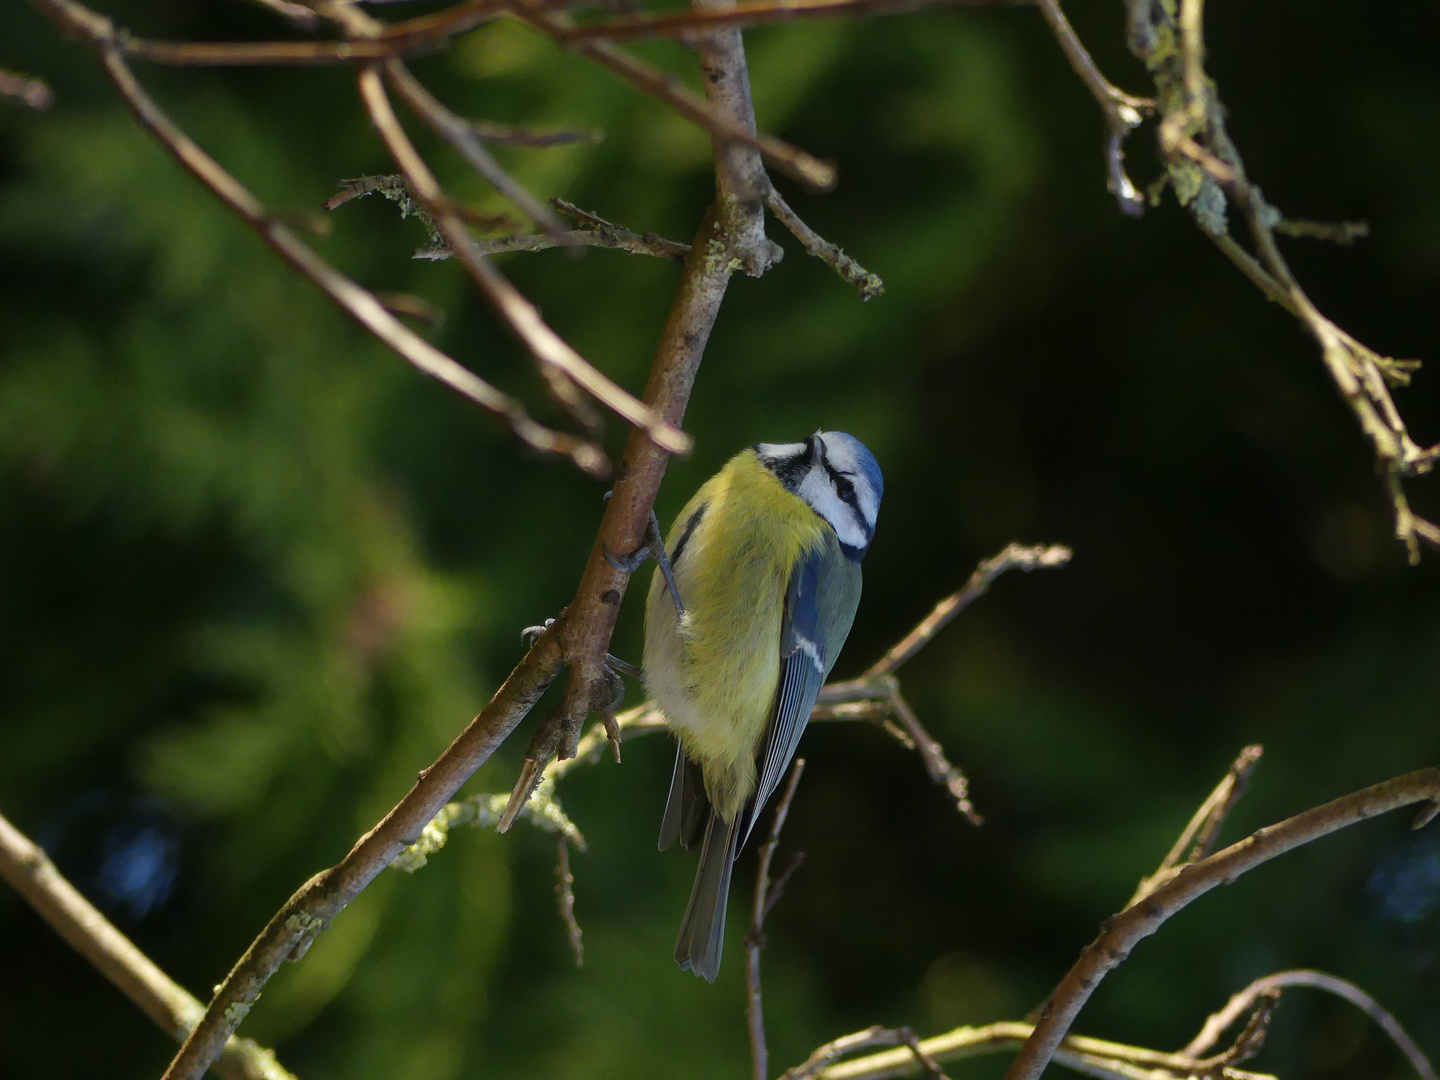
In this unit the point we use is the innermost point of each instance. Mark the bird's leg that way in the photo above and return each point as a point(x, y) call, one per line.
point(653, 546)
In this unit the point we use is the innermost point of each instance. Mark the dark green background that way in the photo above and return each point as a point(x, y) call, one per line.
point(255, 572)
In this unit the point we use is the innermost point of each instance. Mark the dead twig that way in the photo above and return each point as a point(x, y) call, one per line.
point(594, 231)
point(565, 894)
point(1200, 834)
point(868, 285)
point(755, 939)
point(397, 39)
point(738, 16)
point(795, 163)
point(1123, 112)
point(27, 89)
point(26, 867)
point(1014, 557)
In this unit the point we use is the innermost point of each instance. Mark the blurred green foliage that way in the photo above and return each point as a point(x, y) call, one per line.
point(256, 572)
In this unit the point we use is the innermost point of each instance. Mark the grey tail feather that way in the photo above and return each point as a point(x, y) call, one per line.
point(687, 807)
point(670, 825)
point(702, 934)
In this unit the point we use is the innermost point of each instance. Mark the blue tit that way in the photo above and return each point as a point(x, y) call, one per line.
point(766, 559)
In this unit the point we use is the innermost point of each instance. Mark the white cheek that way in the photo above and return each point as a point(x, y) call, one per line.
point(816, 490)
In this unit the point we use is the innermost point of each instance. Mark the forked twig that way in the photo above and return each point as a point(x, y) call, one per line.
point(1317, 980)
point(1199, 835)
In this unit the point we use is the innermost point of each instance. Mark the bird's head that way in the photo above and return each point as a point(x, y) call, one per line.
point(837, 476)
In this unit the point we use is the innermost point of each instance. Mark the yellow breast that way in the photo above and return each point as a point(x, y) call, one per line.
point(715, 676)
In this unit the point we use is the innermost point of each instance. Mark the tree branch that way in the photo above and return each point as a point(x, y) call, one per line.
point(1123, 112)
point(743, 15)
point(26, 867)
point(1120, 933)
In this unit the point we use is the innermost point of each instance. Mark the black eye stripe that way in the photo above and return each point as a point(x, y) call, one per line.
point(843, 487)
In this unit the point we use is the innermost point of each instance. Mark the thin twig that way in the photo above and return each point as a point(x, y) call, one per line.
point(27, 89)
point(1198, 837)
point(1122, 932)
point(26, 867)
point(1318, 980)
point(1343, 233)
point(1207, 174)
point(524, 136)
point(868, 285)
point(755, 939)
point(1014, 557)
point(795, 163)
point(398, 39)
point(296, 14)
point(461, 134)
point(1099, 1058)
point(740, 16)
point(565, 894)
point(1123, 112)
point(595, 231)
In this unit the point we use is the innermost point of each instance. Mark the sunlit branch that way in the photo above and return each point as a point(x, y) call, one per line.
point(26, 867)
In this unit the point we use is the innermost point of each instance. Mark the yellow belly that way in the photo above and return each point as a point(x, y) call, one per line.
point(715, 676)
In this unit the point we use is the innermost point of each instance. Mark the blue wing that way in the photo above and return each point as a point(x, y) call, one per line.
point(819, 608)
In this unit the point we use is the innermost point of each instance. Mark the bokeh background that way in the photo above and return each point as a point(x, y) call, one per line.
point(256, 572)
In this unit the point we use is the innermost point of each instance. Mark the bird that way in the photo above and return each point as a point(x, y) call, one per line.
point(741, 631)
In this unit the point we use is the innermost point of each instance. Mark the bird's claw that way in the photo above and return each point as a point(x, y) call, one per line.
point(532, 634)
point(614, 663)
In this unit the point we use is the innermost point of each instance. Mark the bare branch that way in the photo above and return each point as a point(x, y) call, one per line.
point(397, 39)
point(115, 956)
point(296, 925)
point(1123, 112)
point(1120, 933)
point(461, 134)
point(565, 894)
point(295, 14)
point(595, 231)
point(1343, 233)
point(27, 89)
point(1199, 835)
point(1014, 557)
point(755, 939)
point(742, 15)
point(1317, 980)
point(868, 285)
point(808, 170)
